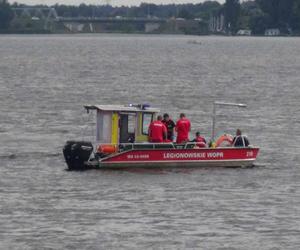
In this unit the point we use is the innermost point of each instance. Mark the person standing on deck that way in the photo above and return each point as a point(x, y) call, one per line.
point(183, 127)
point(157, 130)
point(170, 125)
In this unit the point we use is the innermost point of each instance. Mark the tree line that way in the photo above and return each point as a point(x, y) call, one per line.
point(260, 15)
point(256, 15)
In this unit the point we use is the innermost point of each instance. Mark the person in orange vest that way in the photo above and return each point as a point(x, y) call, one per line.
point(157, 130)
point(183, 127)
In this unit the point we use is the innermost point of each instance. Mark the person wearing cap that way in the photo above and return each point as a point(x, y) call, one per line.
point(170, 125)
point(157, 131)
point(183, 127)
point(200, 141)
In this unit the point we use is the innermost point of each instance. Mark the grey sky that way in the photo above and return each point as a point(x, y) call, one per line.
point(112, 2)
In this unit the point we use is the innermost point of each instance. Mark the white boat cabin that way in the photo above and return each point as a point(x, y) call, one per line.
point(122, 124)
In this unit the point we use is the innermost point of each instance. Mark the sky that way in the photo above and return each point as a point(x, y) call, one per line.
point(112, 2)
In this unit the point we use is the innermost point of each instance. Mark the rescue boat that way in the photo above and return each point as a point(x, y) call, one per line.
point(122, 141)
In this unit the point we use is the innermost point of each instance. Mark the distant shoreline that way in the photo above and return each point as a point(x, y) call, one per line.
point(44, 32)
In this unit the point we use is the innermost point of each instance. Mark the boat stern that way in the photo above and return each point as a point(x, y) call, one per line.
point(76, 153)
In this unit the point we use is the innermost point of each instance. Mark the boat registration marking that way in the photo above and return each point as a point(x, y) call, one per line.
point(138, 156)
point(250, 154)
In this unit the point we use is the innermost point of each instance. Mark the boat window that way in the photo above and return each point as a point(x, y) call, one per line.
point(147, 119)
point(131, 124)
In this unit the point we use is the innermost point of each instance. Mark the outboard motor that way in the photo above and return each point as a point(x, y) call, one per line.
point(76, 153)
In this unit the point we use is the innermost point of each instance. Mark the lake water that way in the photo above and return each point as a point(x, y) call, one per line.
point(45, 80)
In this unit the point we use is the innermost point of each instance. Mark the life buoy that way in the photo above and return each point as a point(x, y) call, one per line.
point(107, 148)
point(224, 140)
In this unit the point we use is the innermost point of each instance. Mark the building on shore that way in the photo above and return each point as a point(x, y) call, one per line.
point(217, 24)
point(272, 32)
point(244, 33)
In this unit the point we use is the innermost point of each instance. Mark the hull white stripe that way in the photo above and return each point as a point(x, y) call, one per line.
point(174, 161)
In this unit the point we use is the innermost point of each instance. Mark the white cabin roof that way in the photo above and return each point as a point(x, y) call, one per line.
point(122, 108)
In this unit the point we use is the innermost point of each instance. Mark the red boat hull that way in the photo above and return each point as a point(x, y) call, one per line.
point(223, 157)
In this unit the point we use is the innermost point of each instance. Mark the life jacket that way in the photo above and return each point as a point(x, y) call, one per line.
point(200, 142)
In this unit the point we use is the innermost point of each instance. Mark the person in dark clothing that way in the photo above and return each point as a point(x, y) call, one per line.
point(170, 125)
point(240, 140)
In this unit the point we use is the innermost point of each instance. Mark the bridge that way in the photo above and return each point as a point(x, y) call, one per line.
point(98, 24)
point(44, 14)
point(111, 19)
point(50, 20)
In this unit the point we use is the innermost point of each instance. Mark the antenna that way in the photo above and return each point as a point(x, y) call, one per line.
point(241, 105)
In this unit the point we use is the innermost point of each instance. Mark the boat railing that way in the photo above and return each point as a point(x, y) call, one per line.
point(148, 145)
point(141, 145)
point(189, 145)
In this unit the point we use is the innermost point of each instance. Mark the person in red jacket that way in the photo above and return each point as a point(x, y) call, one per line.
point(199, 141)
point(183, 127)
point(157, 130)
